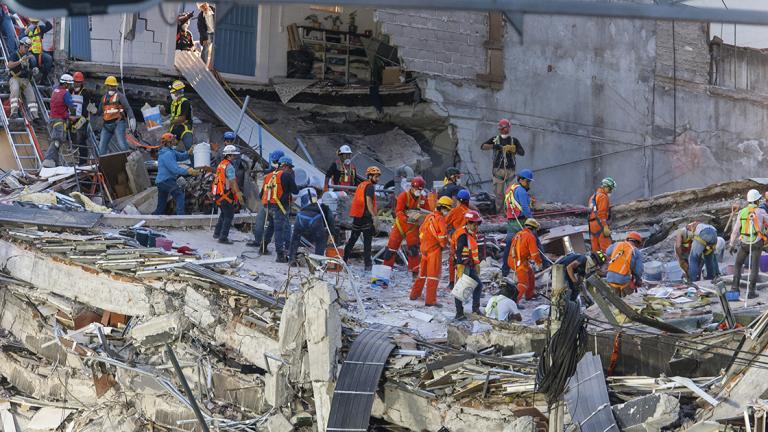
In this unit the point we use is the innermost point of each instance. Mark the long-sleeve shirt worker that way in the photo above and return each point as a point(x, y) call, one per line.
point(123, 101)
point(526, 248)
point(168, 164)
point(524, 199)
point(635, 267)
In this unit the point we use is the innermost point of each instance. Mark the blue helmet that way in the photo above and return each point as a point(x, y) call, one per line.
point(526, 174)
point(285, 160)
point(229, 136)
point(463, 195)
point(275, 156)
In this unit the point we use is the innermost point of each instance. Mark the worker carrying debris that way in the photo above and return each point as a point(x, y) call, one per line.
point(168, 170)
point(625, 264)
point(264, 227)
point(181, 115)
point(433, 237)
point(35, 32)
point(184, 41)
point(578, 268)
point(58, 119)
point(517, 208)
point(695, 244)
point(456, 220)
point(410, 209)
point(342, 171)
point(451, 183)
point(505, 148)
point(467, 259)
point(365, 219)
point(84, 104)
point(227, 193)
point(312, 223)
point(21, 64)
point(524, 248)
point(502, 306)
point(115, 109)
point(599, 214)
point(276, 193)
point(749, 229)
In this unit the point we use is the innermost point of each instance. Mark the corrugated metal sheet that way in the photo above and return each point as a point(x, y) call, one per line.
point(17, 215)
point(209, 89)
point(235, 41)
point(587, 397)
point(79, 37)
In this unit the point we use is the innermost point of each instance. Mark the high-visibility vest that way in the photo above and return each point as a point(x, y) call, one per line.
point(469, 252)
point(175, 113)
point(512, 207)
point(113, 109)
point(411, 203)
point(347, 173)
point(750, 228)
point(273, 188)
point(689, 234)
point(593, 216)
point(621, 258)
point(35, 35)
point(59, 109)
point(220, 187)
point(357, 209)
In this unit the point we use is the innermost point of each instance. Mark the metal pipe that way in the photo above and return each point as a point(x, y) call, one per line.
point(187, 390)
point(564, 7)
point(242, 114)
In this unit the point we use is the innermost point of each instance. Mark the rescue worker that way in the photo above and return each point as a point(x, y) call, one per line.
point(58, 119)
point(451, 183)
point(455, 220)
point(264, 227)
point(502, 306)
point(625, 264)
point(599, 214)
point(35, 32)
point(695, 244)
point(241, 165)
point(405, 229)
point(184, 41)
point(524, 249)
point(181, 115)
point(342, 171)
point(276, 194)
point(517, 208)
point(313, 223)
point(168, 170)
point(578, 267)
point(114, 108)
point(20, 64)
point(84, 104)
point(505, 150)
point(467, 259)
point(7, 28)
point(227, 193)
point(206, 21)
point(433, 237)
point(749, 229)
point(365, 217)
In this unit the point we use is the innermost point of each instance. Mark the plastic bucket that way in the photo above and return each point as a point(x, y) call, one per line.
point(147, 238)
point(151, 114)
point(202, 155)
point(653, 270)
point(380, 275)
point(673, 272)
point(764, 263)
point(164, 243)
point(463, 288)
point(332, 252)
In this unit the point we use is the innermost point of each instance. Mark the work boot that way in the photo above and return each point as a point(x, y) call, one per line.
point(450, 286)
point(281, 257)
point(751, 294)
point(476, 310)
point(434, 305)
point(49, 164)
point(460, 317)
point(252, 243)
point(264, 250)
point(225, 241)
point(216, 236)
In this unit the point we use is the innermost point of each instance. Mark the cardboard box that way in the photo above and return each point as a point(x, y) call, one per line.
point(390, 75)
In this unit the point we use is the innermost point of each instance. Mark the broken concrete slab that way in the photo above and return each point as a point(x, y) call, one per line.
point(248, 342)
point(198, 308)
point(513, 338)
point(648, 413)
point(167, 221)
point(278, 423)
point(48, 418)
point(322, 327)
point(138, 177)
point(246, 391)
point(159, 330)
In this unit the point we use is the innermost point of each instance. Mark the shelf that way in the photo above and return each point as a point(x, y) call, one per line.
point(343, 58)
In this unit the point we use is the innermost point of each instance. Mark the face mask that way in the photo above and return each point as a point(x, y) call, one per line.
point(78, 88)
point(174, 96)
point(111, 92)
point(347, 161)
point(505, 136)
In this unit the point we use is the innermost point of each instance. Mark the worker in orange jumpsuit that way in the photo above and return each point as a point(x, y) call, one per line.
point(455, 221)
point(433, 236)
point(412, 199)
point(523, 250)
point(599, 213)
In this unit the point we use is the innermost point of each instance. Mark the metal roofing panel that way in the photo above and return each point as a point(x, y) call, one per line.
point(587, 396)
point(18, 215)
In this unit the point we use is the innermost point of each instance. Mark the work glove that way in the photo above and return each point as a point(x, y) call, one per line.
point(606, 231)
point(459, 270)
point(536, 268)
point(240, 197)
point(91, 108)
point(193, 172)
point(511, 148)
point(132, 124)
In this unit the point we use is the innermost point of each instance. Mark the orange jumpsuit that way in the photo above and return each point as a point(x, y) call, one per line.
point(600, 212)
point(455, 220)
point(524, 250)
point(433, 235)
point(403, 230)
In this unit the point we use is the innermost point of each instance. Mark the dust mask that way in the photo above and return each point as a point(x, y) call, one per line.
point(347, 162)
point(111, 92)
point(174, 96)
point(505, 136)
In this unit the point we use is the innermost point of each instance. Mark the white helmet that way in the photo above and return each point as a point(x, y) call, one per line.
point(26, 41)
point(345, 149)
point(230, 150)
point(307, 196)
point(753, 195)
point(66, 79)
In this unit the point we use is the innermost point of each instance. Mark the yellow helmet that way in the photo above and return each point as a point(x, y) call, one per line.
point(176, 86)
point(533, 223)
point(445, 202)
point(111, 81)
point(373, 170)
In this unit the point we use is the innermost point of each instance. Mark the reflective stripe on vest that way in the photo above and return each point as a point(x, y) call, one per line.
point(175, 113)
point(358, 201)
point(750, 232)
point(470, 252)
point(621, 258)
point(347, 174)
point(37, 40)
point(688, 236)
point(220, 188)
point(113, 109)
point(512, 207)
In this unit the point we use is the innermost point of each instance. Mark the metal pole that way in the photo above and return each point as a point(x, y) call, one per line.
point(187, 390)
point(242, 114)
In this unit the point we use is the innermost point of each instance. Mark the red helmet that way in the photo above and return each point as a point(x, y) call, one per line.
point(473, 216)
point(503, 123)
point(418, 182)
point(78, 76)
point(634, 235)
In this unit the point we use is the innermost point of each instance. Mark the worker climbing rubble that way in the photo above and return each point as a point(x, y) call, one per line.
point(276, 193)
point(523, 250)
point(180, 123)
point(456, 220)
point(410, 208)
point(84, 104)
point(168, 170)
point(625, 264)
point(517, 208)
point(264, 227)
point(695, 245)
point(58, 119)
point(467, 259)
point(364, 213)
point(505, 148)
point(749, 230)
point(578, 267)
point(433, 237)
point(342, 171)
point(21, 64)
point(116, 113)
point(227, 193)
point(599, 215)
point(313, 222)
point(35, 31)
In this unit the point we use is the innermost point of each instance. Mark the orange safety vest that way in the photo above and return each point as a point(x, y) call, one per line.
point(688, 237)
point(113, 109)
point(348, 174)
point(512, 207)
point(593, 212)
point(220, 188)
point(272, 189)
point(471, 252)
point(621, 258)
point(358, 201)
point(411, 203)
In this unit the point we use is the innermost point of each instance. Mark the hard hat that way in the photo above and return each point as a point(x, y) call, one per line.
point(176, 86)
point(445, 202)
point(285, 160)
point(533, 223)
point(111, 81)
point(635, 236)
point(167, 137)
point(753, 195)
point(608, 182)
point(78, 77)
point(230, 150)
point(372, 170)
point(307, 196)
point(418, 182)
point(463, 195)
point(66, 79)
point(33, 20)
point(345, 149)
point(599, 257)
point(276, 155)
point(26, 41)
point(503, 123)
point(229, 136)
point(526, 174)
point(473, 216)
point(452, 171)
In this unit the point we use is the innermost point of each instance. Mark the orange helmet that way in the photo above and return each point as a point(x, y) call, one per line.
point(78, 76)
point(372, 170)
point(418, 182)
point(635, 236)
point(167, 137)
point(473, 216)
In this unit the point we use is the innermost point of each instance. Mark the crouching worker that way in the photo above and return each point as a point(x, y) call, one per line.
point(313, 222)
point(578, 267)
point(168, 170)
point(467, 259)
point(695, 245)
point(625, 265)
point(502, 306)
point(227, 193)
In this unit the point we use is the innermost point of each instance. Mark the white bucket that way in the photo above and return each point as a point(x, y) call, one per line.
point(463, 288)
point(380, 275)
point(151, 114)
point(202, 154)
